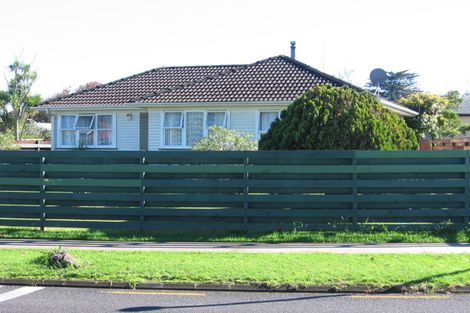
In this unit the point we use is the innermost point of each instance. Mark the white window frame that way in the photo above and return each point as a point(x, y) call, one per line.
point(258, 124)
point(184, 126)
point(182, 123)
point(112, 129)
point(95, 130)
point(59, 133)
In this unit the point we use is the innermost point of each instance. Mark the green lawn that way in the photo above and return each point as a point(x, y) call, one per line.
point(413, 270)
point(378, 236)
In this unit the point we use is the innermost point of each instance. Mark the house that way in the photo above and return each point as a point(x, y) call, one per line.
point(464, 110)
point(173, 107)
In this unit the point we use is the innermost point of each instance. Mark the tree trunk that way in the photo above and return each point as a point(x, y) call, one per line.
point(17, 129)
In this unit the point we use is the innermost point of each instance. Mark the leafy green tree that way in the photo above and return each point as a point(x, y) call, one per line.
point(21, 78)
point(4, 116)
point(397, 85)
point(455, 99)
point(338, 118)
point(223, 139)
point(436, 118)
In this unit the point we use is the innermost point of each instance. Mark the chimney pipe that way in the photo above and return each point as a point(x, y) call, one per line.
point(292, 50)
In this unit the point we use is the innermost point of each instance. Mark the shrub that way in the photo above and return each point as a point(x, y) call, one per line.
point(338, 118)
point(223, 139)
point(7, 141)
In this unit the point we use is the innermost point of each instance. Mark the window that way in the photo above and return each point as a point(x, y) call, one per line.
point(86, 134)
point(87, 130)
point(173, 128)
point(184, 129)
point(265, 119)
point(216, 119)
point(104, 130)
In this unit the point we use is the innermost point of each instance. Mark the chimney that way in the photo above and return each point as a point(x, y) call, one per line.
point(292, 50)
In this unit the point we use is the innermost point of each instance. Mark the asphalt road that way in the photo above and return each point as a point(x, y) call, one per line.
point(237, 247)
point(16, 299)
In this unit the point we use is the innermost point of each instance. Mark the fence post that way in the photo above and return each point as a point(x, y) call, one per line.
point(246, 190)
point(42, 192)
point(142, 193)
point(467, 189)
point(354, 177)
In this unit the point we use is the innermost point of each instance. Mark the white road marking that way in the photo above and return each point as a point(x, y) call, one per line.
point(18, 293)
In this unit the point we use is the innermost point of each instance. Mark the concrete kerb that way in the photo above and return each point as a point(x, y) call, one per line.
point(398, 289)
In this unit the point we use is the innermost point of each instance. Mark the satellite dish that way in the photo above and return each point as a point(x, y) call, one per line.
point(378, 76)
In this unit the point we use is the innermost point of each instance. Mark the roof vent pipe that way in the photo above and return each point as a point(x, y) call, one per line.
point(292, 50)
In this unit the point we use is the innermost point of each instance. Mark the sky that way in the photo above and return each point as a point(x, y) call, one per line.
point(71, 42)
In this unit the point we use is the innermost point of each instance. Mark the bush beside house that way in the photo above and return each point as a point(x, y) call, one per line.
point(223, 139)
point(338, 118)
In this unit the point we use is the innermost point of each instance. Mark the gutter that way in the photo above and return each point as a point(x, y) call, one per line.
point(397, 108)
point(127, 106)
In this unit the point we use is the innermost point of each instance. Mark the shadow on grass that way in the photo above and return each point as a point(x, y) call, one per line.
point(365, 236)
point(408, 286)
point(216, 305)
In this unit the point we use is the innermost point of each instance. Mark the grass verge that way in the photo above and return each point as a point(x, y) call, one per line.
point(415, 271)
point(381, 235)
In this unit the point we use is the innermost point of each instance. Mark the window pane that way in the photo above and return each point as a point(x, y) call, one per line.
point(84, 122)
point(86, 138)
point(105, 121)
point(265, 120)
point(173, 137)
point(215, 119)
point(105, 137)
point(67, 122)
point(68, 137)
point(194, 127)
point(172, 119)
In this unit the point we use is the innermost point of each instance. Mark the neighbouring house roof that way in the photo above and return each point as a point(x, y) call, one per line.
point(464, 108)
point(276, 79)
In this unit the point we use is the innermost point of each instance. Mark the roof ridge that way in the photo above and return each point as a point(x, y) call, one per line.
point(318, 72)
point(133, 76)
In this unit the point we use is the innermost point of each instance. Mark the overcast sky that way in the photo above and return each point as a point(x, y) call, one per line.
point(76, 41)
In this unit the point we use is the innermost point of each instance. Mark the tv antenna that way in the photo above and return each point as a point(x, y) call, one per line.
point(378, 76)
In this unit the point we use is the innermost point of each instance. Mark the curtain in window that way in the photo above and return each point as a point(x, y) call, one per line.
point(105, 137)
point(68, 137)
point(67, 130)
point(215, 119)
point(86, 137)
point(105, 121)
point(172, 119)
point(67, 122)
point(173, 137)
point(194, 127)
point(265, 120)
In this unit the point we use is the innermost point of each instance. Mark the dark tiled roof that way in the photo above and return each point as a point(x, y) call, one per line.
point(464, 108)
point(274, 79)
point(127, 89)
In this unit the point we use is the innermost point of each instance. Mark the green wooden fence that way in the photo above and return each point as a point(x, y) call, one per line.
point(264, 190)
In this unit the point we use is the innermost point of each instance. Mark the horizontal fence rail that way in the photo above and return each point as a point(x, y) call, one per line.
point(235, 191)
